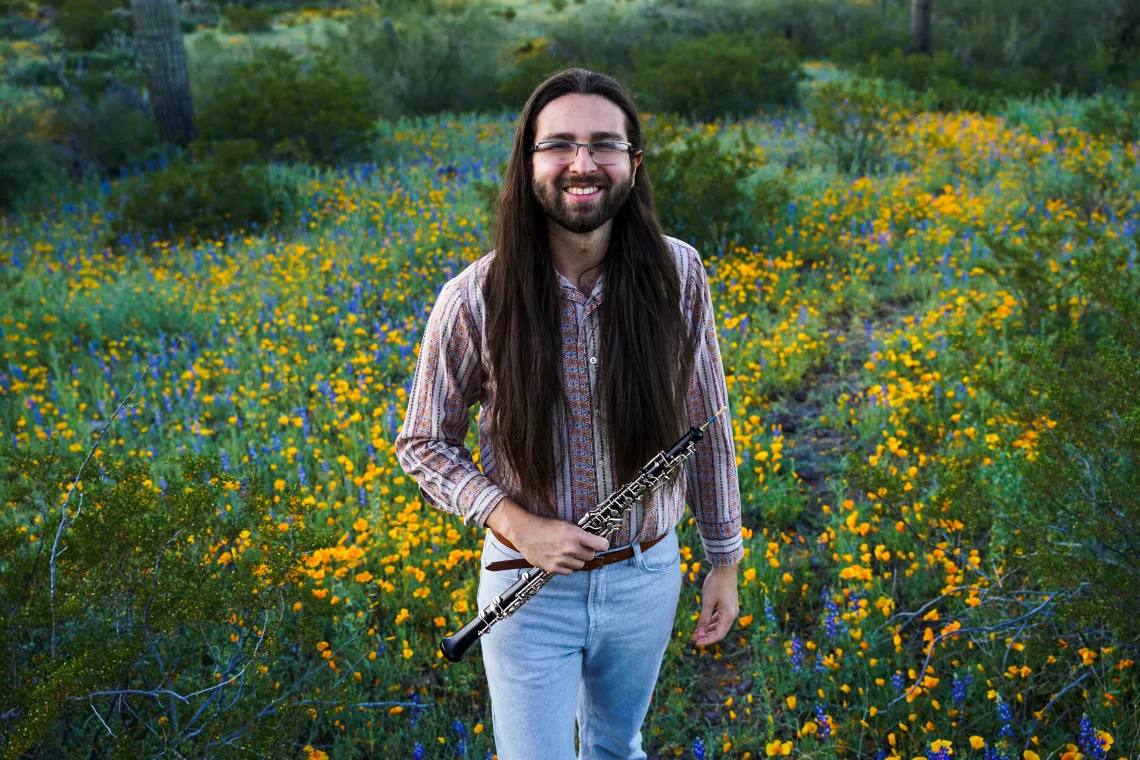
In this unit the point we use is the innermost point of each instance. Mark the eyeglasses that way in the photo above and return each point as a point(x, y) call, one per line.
point(561, 152)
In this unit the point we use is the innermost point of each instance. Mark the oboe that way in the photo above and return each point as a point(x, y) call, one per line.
point(603, 520)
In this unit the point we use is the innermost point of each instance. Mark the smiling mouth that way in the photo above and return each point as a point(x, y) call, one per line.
point(595, 191)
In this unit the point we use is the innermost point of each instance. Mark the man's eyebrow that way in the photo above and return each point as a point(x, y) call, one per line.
point(593, 136)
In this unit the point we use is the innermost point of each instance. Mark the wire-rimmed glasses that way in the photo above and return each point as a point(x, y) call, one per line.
point(562, 152)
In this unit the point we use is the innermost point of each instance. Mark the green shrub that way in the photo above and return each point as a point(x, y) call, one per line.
point(1075, 521)
point(698, 190)
point(148, 578)
point(292, 108)
point(218, 186)
point(943, 81)
point(1113, 115)
point(82, 24)
point(855, 118)
point(243, 20)
point(16, 27)
point(27, 164)
point(427, 63)
point(718, 76)
point(106, 135)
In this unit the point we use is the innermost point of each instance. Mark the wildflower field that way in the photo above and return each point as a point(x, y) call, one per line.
point(245, 571)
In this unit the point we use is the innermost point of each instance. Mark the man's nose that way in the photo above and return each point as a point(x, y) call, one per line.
point(583, 161)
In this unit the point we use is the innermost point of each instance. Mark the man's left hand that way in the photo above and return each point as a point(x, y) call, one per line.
point(719, 605)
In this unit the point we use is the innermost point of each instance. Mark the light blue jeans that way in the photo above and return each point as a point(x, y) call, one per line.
point(588, 646)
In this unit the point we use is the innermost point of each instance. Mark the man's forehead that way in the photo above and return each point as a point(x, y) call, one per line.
point(580, 118)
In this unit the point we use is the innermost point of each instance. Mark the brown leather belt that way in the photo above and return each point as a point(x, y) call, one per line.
point(593, 564)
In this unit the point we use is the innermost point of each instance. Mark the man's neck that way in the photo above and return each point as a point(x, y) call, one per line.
point(572, 254)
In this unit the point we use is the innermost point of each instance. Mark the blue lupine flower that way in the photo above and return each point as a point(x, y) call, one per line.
point(797, 653)
point(1091, 744)
point(1006, 717)
point(301, 475)
point(461, 729)
point(363, 497)
point(225, 461)
point(833, 618)
point(698, 749)
point(824, 723)
point(942, 753)
point(960, 685)
point(418, 753)
point(770, 616)
point(819, 667)
point(897, 680)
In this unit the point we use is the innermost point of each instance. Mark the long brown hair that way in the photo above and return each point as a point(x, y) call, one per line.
point(646, 349)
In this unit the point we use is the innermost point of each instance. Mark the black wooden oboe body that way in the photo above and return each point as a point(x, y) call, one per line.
point(603, 520)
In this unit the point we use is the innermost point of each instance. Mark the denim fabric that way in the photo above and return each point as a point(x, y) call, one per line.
point(587, 647)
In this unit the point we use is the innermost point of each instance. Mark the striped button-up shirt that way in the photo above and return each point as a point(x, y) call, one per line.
point(453, 373)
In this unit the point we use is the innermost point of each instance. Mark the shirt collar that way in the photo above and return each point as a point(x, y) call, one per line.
point(569, 286)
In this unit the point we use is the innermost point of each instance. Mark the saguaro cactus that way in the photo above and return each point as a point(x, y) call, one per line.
point(163, 53)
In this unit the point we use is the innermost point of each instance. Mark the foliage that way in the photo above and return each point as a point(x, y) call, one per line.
point(107, 135)
point(698, 187)
point(245, 20)
point(292, 108)
point(82, 24)
point(18, 27)
point(855, 119)
point(219, 186)
point(161, 593)
point(426, 63)
point(27, 163)
point(1113, 115)
point(718, 76)
point(1077, 392)
point(944, 83)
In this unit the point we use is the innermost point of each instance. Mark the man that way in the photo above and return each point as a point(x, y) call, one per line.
point(587, 338)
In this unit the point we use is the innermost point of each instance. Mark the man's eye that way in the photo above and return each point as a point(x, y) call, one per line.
point(558, 145)
point(610, 145)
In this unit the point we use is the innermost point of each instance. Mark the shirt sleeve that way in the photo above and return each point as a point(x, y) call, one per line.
point(711, 475)
point(448, 381)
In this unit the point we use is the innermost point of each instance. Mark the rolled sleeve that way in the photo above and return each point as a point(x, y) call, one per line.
point(711, 474)
point(448, 381)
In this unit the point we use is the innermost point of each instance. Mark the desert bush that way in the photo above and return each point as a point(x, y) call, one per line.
point(943, 81)
point(1071, 381)
point(243, 20)
point(718, 76)
point(151, 588)
point(19, 27)
point(82, 24)
point(855, 118)
point(28, 163)
point(425, 63)
point(106, 135)
point(292, 108)
point(698, 187)
point(217, 186)
point(1113, 114)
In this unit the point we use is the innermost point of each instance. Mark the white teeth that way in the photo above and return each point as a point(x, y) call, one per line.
point(582, 190)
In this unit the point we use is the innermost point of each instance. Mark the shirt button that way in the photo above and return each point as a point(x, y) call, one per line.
point(593, 360)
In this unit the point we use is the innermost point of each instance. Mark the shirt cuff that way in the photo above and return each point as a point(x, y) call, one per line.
point(477, 500)
point(724, 551)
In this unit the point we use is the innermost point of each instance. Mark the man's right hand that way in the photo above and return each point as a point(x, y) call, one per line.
point(556, 546)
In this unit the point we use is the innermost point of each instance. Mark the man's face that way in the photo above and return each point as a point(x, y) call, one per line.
point(581, 118)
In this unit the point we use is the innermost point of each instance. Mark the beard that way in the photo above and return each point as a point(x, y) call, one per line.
point(582, 216)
